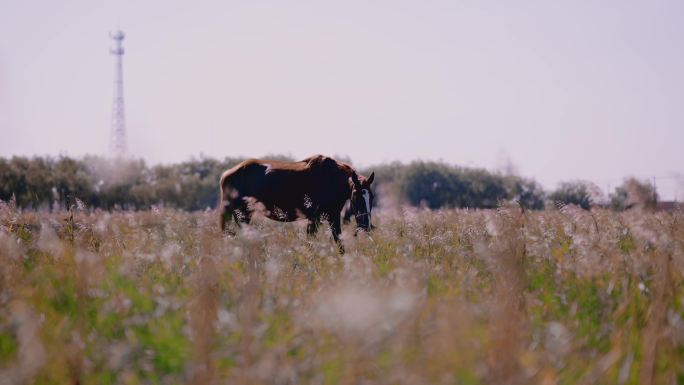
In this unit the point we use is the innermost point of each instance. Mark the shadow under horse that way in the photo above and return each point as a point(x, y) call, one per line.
point(315, 188)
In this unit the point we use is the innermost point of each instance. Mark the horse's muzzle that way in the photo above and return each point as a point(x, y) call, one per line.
point(363, 224)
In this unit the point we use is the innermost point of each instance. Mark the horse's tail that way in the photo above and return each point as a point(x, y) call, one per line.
point(224, 205)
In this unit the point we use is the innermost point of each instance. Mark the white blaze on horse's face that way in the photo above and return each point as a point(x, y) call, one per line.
point(366, 198)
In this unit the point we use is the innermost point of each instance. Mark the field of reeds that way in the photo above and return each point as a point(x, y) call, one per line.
point(430, 297)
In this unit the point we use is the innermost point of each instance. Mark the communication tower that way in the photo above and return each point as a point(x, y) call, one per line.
point(117, 139)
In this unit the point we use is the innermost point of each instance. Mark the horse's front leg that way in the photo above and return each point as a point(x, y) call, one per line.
point(312, 227)
point(336, 228)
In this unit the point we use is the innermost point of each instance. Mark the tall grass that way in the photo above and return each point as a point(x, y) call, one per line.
point(439, 297)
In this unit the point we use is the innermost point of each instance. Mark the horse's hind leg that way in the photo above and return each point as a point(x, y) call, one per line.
point(241, 214)
point(228, 215)
point(235, 211)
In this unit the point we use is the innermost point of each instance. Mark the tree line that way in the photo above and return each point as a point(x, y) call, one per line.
point(60, 182)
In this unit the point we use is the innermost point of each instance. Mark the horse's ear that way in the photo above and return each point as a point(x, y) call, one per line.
point(371, 177)
point(355, 179)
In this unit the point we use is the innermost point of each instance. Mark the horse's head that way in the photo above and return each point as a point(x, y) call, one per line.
point(362, 200)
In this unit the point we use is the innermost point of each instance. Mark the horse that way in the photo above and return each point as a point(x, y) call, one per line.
point(315, 188)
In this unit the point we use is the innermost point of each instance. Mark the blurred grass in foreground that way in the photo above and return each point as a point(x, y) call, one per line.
point(443, 297)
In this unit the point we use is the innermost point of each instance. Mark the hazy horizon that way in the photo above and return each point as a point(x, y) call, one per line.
point(560, 91)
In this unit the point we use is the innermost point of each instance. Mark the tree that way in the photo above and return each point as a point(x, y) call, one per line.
point(437, 185)
point(528, 193)
point(578, 193)
point(432, 185)
point(193, 185)
point(632, 194)
point(483, 189)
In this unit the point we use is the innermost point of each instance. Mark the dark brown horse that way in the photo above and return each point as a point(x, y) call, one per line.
point(315, 188)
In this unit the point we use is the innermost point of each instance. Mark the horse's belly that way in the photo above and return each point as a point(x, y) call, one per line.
point(281, 210)
point(278, 214)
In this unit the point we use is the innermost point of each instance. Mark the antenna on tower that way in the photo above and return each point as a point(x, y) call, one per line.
point(117, 133)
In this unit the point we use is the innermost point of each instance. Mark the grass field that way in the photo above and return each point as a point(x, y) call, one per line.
point(444, 297)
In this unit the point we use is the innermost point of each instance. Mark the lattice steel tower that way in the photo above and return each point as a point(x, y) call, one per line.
point(117, 139)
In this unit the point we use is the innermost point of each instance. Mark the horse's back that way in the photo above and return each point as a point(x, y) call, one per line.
point(260, 177)
point(275, 169)
point(283, 184)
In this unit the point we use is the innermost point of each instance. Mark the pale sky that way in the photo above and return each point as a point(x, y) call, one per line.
point(564, 89)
